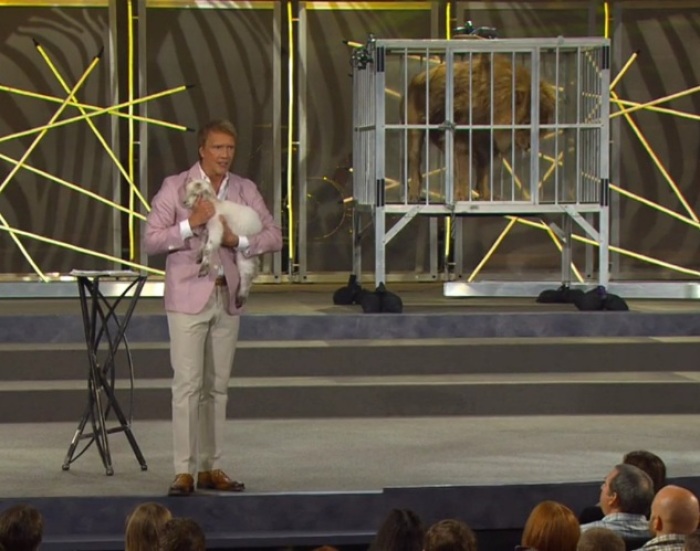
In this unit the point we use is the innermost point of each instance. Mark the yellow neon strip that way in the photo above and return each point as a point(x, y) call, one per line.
point(96, 113)
point(656, 101)
point(664, 110)
point(624, 69)
point(13, 234)
point(641, 257)
point(55, 116)
point(517, 181)
point(54, 99)
point(402, 6)
point(290, 139)
point(448, 220)
point(606, 29)
point(492, 250)
point(212, 4)
point(657, 162)
point(656, 206)
point(81, 250)
point(72, 186)
point(54, 3)
point(130, 110)
point(448, 20)
point(619, 250)
point(91, 124)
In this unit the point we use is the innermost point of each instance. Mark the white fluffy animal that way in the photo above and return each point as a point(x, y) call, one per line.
point(242, 219)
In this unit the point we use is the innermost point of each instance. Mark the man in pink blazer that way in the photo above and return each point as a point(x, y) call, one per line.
point(203, 313)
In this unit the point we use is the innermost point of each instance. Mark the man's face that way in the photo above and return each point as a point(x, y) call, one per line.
point(607, 497)
point(217, 154)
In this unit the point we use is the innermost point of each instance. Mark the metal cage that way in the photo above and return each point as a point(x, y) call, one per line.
point(483, 127)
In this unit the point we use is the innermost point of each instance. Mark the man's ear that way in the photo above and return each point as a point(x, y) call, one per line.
point(656, 524)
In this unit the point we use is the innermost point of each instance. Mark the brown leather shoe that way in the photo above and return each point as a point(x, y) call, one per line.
point(218, 480)
point(183, 485)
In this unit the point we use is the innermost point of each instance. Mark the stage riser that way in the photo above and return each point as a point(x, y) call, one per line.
point(385, 400)
point(393, 359)
point(354, 325)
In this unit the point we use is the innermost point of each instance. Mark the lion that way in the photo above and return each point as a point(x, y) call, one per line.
point(511, 101)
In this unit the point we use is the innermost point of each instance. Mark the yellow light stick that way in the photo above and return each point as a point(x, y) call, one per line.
point(6, 227)
point(130, 147)
point(656, 206)
point(641, 257)
point(492, 250)
point(657, 162)
point(55, 116)
point(624, 69)
point(657, 101)
point(54, 99)
point(560, 248)
point(448, 220)
point(90, 123)
point(290, 138)
point(606, 27)
point(664, 110)
point(83, 250)
point(512, 221)
point(72, 186)
point(96, 113)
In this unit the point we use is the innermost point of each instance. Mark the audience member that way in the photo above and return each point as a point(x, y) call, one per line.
point(649, 462)
point(551, 526)
point(449, 535)
point(674, 514)
point(144, 526)
point(692, 541)
point(600, 539)
point(401, 530)
point(182, 534)
point(625, 497)
point(21, 528)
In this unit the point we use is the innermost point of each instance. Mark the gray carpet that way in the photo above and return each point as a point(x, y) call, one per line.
point(357, 454)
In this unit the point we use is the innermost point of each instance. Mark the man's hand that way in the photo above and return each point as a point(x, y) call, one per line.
point(202, 211)
point(229, 238)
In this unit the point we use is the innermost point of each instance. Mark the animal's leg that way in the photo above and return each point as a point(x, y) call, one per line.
point(462, 163)
point(215, 232)
point(248, 269)
point(415, 154)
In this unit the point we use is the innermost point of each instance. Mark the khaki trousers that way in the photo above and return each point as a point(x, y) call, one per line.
point(202, 348)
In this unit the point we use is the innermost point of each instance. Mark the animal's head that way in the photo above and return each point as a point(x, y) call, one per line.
point(523, 106)
point(196, 189)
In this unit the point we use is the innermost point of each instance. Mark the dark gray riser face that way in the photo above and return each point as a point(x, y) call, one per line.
point(323, 399)
point(383, 358)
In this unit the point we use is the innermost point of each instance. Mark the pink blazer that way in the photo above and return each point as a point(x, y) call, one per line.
point(185, 291)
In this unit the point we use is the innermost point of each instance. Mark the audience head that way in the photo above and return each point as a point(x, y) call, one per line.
point(551, 526)
point(600, 539)
point(626, 489)
point(674, 510)
point(692, 541)
point(401, 530)
point(651, 464)
point(21, 528)
point(144, 526)
point(182, 534)
point(449, 535)
point(325, 548)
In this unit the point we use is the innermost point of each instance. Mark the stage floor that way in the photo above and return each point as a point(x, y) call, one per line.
point(357, 455)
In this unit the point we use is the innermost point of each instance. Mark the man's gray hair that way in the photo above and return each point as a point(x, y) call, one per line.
point(634, 489)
